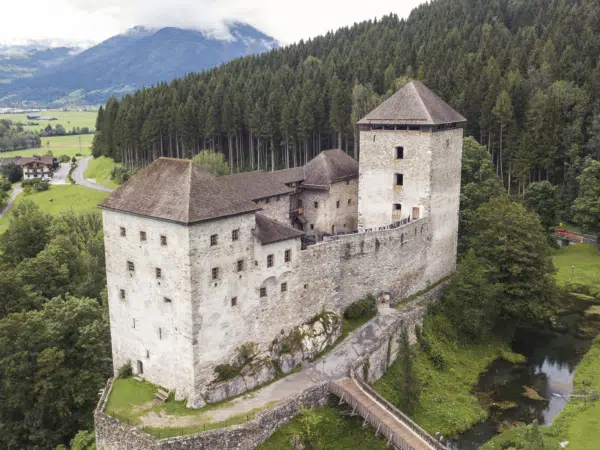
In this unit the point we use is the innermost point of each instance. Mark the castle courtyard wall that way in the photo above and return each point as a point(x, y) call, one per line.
point(343, 219)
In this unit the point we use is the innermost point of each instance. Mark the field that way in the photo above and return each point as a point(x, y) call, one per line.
point(59, 198)
point(58, 145)
point(67, 119)
point(99, 169)
point(586, 261)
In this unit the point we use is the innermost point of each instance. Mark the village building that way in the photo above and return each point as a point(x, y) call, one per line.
point(34, 166)
point(199, 265)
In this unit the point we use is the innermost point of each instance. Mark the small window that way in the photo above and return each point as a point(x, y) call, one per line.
point(263, 292)
point(240, 265)
point(306, 286)
point(158, 273)
point(277, 198)
point(215, 273)
point(316, 204)
point(332, 229)
point(142, 235)
point(214, 239)
point(349, 201)
point(399, 179)
point(299, 203)
point(123, 232)
point(130, 266)
point(267, 200)
point(399, 152)
point(397, 206)
point(235, 235)
point(160, 333)
point(233, 301)
point(133, 322)
point(337, 204)
point(347, 183)
point(163, 240)
point(283, 287)
point(312, 226)
point(122, 294)
point(270, 260)
point(167, 300)
point(288, 256)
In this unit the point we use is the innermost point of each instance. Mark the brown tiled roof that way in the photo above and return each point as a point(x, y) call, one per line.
point(269, 231)
point(288, 176)
point(41, 159)
point(330, 167)
point(413, 104)
point(7, 161)
point(178, 190)
point(257, 184)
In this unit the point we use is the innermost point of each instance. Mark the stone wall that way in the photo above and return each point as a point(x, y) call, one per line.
point(276, 208)
point(328, 214)
point(114, 435)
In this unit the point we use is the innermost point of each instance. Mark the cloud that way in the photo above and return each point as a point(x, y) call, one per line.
point(286, 20)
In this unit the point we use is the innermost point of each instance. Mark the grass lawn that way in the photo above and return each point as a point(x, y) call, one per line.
point(131, 400)
point(99, 169)
point(446, 402)
point(67, 119)
point(332, 431)
point(578, 423)
point(58, 145)
point(585, 258)
point(59, 198)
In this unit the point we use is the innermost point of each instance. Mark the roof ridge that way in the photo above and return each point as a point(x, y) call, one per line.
point(189, 189)
point(414, 85)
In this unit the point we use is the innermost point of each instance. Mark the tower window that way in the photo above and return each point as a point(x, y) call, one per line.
point(167, 300)
point(215, 273)
point(316, 205)
point(337, 204)
point(235, 235)
point(122, 294)
point(399, 152)
point(267, 200)
point(287, 256)
point(397, 206)
point(349, 201)
point(312, 226)
point(270, 260)
point(398, 179)
point(133, 322)
point(240, 265)
point(158, 273)
point(214, 239)
point(123, 232)
point(130, 266)
point(263, 292)
point(163, 240)
point(233, 301)
point(160, 333)
point(142, 235)
point(283, 287)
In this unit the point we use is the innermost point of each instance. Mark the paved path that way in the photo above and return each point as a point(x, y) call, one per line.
point(378, 416)
point(16, 191)
point(78, 177)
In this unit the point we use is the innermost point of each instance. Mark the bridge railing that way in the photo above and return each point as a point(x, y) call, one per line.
point(360, 409)
point(396, 412)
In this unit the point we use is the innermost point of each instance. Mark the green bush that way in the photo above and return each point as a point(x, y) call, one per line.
point(121, 174)
point(125, 370)
point(226, 372)
point(64, 158)
point(361, 308)
point(35, 184)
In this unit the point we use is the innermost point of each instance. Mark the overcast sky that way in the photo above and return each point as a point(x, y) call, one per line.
point(96, 20)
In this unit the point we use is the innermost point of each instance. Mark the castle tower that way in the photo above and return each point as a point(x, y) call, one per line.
point(410, 162)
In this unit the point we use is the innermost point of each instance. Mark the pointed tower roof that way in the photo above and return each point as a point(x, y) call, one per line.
point(414, 104)
point(178, 190)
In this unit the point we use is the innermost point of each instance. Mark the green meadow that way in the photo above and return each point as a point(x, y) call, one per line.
point(58, 145)
point(67, 119)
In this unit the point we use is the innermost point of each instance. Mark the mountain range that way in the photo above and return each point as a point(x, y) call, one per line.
point(38, 73)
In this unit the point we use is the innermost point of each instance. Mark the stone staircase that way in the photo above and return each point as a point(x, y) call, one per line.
point(161, 395)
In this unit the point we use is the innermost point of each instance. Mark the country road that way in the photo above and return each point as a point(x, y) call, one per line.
point(16, 191)
point(78, 177)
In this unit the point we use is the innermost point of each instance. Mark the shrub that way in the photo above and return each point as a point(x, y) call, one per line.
point(121, 174)
point(246, 353)
point(365, 307)
point(64, 158)
point(226, 372)
point(35, 184)
point(125, 370)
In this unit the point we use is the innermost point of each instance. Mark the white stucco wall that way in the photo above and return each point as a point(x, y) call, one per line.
point(166, 355)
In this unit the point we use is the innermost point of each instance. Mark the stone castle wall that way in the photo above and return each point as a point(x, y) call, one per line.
point(327, 214)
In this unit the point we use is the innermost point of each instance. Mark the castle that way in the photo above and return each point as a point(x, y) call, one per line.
point(198, 265)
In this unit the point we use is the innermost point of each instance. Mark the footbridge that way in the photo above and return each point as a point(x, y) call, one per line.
point(401, 432)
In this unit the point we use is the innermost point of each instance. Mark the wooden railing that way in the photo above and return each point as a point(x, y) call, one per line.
point(396, 412)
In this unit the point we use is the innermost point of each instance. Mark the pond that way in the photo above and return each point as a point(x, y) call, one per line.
point(537, 389)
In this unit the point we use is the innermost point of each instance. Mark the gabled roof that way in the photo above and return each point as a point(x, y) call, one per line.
point(288, 176)
point(269, 230)
point(257, 184)
point(7, 161)
point(179, 191)
point(40, 159)
point(414, 104)
point(328, 167)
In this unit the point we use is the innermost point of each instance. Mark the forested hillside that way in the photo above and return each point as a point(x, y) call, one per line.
point(526, 74)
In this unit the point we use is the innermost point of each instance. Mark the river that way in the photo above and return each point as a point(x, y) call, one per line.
point(551, 360)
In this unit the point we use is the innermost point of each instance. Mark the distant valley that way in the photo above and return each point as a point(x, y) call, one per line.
point(44, 74)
